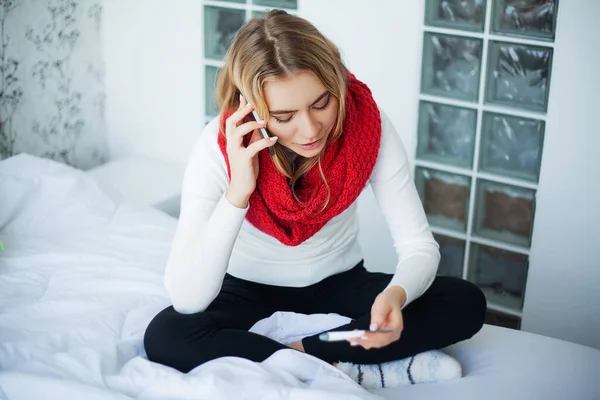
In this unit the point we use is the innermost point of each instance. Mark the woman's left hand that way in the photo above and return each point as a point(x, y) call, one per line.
point(386, 314)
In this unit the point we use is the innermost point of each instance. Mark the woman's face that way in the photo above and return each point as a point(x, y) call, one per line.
point(302, 113)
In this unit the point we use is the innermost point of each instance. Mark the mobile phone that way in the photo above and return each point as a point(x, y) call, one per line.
point(263, 132)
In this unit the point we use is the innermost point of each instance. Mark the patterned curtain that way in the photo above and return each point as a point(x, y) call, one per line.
point(52, 75)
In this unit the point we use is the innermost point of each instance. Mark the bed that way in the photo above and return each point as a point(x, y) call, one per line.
point(81, 277)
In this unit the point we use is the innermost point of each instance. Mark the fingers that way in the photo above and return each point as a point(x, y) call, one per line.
point(374, 340)
point(234, 119)
point(362, 341)
point(354, 342)
point(370, 340)
point(379, 313)
point(396, 321)
point(261, 144)
point(238, 134)
point(255, 137)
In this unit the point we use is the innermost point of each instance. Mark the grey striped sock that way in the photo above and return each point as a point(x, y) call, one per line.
point(430, 366)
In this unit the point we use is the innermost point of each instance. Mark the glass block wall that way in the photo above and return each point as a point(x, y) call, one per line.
point(485, 80)
point(222, 19)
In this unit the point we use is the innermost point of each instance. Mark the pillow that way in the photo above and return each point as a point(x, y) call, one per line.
point(40, 196)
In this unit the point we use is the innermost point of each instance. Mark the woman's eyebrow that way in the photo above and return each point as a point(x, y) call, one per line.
point(276, 112)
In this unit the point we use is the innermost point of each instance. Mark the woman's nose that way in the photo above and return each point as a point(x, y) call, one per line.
point(310, 129)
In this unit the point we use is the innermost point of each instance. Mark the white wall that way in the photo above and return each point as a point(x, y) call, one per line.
point(154, 78)
point(382, 46)
point(563, 294)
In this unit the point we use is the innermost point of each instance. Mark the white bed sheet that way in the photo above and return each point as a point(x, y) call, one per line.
point(81, 277)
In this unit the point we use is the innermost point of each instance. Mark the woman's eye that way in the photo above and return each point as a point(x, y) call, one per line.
point(283, 121)
point(323, 106)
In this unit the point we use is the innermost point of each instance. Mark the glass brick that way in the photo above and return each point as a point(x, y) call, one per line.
point(451, 66)
point(452, 256)
point(511, 146)
point(456, 14)
point(210, 99)
point(500, 274)
point(220, 28)
point(504, 212)
point(289, 4)
point(518, 75)
point(504, 320)
point(445, 197)
point(446, 134)
point(531, 19)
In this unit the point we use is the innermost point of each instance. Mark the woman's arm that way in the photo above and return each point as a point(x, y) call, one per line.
point(418, 252)
point(207, 229)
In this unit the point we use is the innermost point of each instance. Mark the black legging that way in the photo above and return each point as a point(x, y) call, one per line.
point(450, 311)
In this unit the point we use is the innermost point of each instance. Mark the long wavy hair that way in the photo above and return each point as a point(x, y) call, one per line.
point(279, 46)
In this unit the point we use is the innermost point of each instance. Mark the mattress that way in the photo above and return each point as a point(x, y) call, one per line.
point(81, 277)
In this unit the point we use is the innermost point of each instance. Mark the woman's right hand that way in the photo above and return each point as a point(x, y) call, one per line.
point(243, 161)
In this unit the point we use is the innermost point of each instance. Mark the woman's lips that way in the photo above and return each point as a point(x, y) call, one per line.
point(311, 146)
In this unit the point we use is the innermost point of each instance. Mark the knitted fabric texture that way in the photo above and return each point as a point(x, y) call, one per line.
point(347, 165)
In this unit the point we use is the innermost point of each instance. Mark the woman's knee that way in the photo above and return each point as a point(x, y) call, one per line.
point(168, 338)
point(472, 306)
point(463, 303)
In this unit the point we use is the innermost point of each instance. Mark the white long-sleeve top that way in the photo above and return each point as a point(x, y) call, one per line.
point(213, 237)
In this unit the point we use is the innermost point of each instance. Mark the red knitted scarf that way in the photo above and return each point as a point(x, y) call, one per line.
point(347, 165)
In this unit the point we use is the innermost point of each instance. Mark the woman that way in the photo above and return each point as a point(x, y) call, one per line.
point(276, 230)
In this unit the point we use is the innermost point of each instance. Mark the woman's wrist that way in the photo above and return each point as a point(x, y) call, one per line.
point(237, 200)
point(398, 292)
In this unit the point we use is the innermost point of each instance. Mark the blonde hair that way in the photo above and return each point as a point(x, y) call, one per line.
point(279, 46)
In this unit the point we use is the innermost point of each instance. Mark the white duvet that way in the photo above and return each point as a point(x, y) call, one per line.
point(80, 279)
